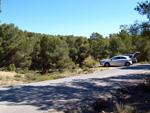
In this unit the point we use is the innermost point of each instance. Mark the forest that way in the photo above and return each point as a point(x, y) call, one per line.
point(35, 51)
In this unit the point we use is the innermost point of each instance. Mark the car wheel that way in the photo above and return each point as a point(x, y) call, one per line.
point(106, 64)
point(127, 64)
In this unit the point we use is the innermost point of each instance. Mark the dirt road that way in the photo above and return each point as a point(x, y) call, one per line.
point(67, 92)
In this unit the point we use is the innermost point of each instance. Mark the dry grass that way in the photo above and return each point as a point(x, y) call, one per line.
point(11, 78)
point(92, 70)
point(22, 77)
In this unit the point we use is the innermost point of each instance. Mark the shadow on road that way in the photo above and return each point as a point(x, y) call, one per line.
point(54, 96)
point(137, 67)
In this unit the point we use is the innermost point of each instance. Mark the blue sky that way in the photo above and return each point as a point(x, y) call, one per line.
point(70, 17)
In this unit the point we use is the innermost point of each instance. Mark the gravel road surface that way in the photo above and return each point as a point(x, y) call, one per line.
point(63, 93)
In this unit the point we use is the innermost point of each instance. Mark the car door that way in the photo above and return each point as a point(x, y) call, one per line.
point(115, 61)
point(123, 60)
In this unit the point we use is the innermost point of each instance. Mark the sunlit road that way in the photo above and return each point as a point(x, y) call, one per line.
point(63, 93)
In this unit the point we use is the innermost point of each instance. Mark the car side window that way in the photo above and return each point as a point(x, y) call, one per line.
point(122, 58)
point(116, 58)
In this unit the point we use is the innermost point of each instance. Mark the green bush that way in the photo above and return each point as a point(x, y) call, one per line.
point(22, 71)
point(30, 77)
point(86, 69)
point(11, 67)
point(89, 62)
point(18, 76)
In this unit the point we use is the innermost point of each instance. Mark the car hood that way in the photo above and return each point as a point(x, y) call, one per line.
point(106, 60)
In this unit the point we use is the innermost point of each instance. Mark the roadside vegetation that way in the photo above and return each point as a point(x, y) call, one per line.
point(28, 52)
point(145, 62)
point(20, 76)
point(134, 98)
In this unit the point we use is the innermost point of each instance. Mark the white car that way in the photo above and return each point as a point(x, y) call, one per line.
point(117, 61)
point(132, 56)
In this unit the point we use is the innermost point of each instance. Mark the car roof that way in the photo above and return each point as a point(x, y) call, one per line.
point(127, 54)
point(122, 56)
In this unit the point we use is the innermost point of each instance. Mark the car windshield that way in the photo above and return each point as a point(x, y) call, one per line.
point(113, 58)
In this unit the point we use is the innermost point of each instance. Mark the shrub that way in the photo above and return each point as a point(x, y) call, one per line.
point(89, 62)
point(22, 71)
point(17, 76)
point(11, 67)
point(18, 79)
point(74, 69)
point(86, 69)
point(120, 108)
point(30, 77)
